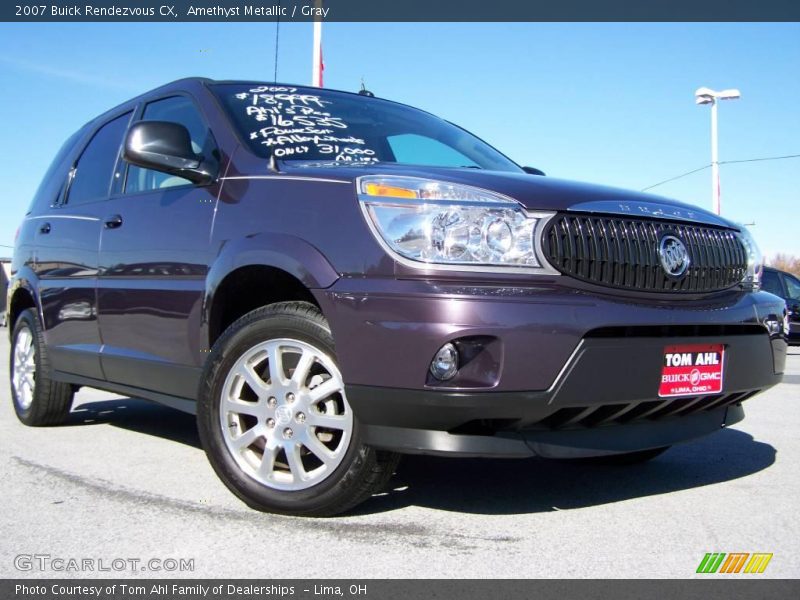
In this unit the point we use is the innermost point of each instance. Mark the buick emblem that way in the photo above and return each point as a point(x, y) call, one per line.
point(674, 256)
point(283, 414)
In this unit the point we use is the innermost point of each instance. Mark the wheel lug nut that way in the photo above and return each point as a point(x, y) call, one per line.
point(301, 418)
point(270, 423)
point(272, 402)
point(288, 433)
point(290, 397)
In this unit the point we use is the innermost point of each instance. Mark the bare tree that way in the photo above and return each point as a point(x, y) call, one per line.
point(785, 262)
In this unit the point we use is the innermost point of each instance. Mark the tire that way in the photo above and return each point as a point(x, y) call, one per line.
point(628, 458)
point(38, 400)
point(284, 439)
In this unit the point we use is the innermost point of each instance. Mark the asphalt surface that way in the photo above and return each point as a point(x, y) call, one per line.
point(126, 479)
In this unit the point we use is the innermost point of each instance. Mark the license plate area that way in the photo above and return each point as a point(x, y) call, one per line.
point(691, 370)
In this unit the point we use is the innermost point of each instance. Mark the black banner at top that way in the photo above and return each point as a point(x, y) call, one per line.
point(398, 10)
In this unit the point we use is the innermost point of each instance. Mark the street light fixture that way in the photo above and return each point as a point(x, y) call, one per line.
point(705, 95)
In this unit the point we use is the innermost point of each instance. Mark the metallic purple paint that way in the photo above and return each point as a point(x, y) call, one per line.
point(128, 308)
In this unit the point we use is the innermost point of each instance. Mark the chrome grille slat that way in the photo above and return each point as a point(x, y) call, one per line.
point(622, 252)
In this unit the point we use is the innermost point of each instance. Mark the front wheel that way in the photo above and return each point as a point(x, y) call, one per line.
point(274, 419)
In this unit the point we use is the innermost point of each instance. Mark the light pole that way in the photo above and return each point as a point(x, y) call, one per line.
point(705, 95)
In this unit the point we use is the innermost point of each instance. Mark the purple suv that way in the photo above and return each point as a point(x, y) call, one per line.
point(330, 279)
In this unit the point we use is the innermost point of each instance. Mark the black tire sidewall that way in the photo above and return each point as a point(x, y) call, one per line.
point(27, 320)
point(241, 337)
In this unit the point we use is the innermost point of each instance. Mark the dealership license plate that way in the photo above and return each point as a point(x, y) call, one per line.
point(691, 370)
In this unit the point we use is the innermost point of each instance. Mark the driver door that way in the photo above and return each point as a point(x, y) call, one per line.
point(154, 257)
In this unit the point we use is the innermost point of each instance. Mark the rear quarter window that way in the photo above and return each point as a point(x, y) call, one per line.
point(52, 183)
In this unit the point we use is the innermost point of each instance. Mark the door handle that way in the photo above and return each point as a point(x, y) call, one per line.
point(113, 222)
point(45, 228)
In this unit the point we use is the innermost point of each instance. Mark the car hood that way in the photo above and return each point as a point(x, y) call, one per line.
point(534, 192)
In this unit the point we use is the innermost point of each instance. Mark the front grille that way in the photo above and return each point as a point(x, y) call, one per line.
point(623, 253)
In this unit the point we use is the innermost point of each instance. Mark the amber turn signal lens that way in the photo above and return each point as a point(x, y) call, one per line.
point(388, 191)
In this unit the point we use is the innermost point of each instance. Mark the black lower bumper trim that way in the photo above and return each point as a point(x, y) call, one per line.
point(555, 444)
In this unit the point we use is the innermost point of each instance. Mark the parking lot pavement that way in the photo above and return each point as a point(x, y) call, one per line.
point(126, 479)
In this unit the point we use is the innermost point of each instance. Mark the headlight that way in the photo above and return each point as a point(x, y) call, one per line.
point(752, 277)
point(451, 226)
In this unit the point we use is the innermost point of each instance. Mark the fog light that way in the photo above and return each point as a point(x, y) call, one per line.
point(445, 364)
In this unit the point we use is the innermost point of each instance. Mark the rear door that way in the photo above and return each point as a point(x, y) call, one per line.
point(154, 257)
point(67, 236)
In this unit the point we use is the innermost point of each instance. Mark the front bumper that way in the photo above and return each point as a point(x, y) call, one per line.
point(605, 401)
point(569, 373)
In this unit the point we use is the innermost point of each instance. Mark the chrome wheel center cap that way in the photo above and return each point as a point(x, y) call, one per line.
point(283, 415)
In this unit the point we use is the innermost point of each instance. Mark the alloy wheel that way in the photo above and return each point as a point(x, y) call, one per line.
point(24, 371)
point(284, 415)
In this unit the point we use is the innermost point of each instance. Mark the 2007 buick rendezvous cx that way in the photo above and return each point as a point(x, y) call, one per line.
point(329, 279)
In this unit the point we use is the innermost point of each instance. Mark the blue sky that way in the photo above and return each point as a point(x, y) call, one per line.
point(607, 103)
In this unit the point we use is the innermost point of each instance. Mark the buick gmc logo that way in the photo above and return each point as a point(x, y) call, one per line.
point(674, 256)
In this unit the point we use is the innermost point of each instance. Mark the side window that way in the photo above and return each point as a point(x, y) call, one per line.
point(792, 286)
point(177, 109)
point(92, 177)
point(771, 283)
point(421, 150)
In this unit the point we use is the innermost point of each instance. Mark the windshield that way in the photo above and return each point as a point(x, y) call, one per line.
point(311, 124)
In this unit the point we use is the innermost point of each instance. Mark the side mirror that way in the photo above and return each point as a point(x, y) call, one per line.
point(533, 171)
point(166, 147)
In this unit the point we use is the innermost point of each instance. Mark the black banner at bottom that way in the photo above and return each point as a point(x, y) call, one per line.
point(386, 589)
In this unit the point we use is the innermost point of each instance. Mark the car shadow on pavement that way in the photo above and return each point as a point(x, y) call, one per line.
point(516, 486)
point(493, 486)
point(140, 416)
